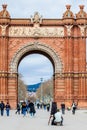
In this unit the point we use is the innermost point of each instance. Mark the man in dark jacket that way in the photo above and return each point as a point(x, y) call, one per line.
point(2, 106)
point(32, 109)
point(53, 111)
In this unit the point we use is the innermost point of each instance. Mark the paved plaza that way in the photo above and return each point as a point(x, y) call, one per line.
point(40, 121)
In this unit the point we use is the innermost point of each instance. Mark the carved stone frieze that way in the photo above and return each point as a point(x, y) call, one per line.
point(36, 32)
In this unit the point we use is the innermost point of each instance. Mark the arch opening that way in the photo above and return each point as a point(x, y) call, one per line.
point(36, 47)
point(40, 48)
point(37, 75)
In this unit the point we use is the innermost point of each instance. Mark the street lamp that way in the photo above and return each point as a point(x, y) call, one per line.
point(41, 88)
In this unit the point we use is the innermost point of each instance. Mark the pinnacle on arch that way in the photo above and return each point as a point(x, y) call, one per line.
point(81, 13)
point(4, 6)
point(68, 13)
point(4, 13)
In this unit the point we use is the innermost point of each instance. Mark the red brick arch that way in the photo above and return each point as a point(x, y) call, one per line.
point(36, 47)
point(63, 41)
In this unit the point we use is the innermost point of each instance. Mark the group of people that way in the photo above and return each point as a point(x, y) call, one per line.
point(4, 107)
point(45, 106)
point(23, 108)
point(56, 116)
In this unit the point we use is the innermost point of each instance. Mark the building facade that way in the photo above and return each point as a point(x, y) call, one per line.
point(62, 41)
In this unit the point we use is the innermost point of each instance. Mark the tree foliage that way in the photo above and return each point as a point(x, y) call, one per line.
point(22, 91)
point(47, 90)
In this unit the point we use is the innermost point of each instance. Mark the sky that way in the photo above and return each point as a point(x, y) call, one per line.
point(34, 67)
point(47, 8)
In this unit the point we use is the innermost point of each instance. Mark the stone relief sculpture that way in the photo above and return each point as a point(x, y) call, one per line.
point(82, 29)
point(69, 29)
point(3, 29)
point(36, 18)
point(36, 31)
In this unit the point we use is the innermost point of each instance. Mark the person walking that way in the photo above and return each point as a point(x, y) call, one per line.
point(63, 107)
point(73, 108)
point(18, 109)
point(24, 108)
point(2, 106)
point(48, 107)
point(7, 108)
point(32, 109)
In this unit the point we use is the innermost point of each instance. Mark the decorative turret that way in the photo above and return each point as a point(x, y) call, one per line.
point(81, 13)
point(68, 13)
point(4, 15)
point(68, 17)
point(81, 16)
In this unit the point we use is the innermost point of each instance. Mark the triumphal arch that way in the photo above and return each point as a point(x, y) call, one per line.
point(63, 41)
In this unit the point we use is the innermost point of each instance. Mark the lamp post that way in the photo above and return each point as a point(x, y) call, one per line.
point(41, 88)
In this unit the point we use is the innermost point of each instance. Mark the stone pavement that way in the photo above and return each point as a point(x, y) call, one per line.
point(40, 121)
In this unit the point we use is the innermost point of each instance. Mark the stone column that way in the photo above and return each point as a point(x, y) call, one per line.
point(59, 89)
point(3, 63)
point(69, 63)
point(82, 67)
point(13, 89)
point(4, 23)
